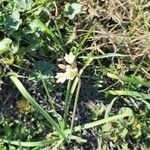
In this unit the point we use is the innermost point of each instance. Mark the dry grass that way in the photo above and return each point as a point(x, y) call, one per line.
point(124, 24)
point(120, 26)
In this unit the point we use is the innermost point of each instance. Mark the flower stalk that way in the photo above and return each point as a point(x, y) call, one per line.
point(66, 107)
point(75, 105)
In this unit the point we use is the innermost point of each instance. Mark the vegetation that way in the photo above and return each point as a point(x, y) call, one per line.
point(74, 74)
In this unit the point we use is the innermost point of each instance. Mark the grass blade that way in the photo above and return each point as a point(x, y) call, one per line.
point(48, 31)
point(97, 123)
point(66, 104)
point(109, 107)
point(26, 95)
point(75, 105)
point(28, 144)
point(83, 41)
point(78, 139)
point(47, 93)
point(105, 56)
point(130, 80)
point(130, 93)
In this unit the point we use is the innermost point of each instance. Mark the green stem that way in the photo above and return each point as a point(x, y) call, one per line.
point(47, 93)
point(67, 104)
point(77, 79)
point(49, 98)
point(75, 105)
point(70, 90)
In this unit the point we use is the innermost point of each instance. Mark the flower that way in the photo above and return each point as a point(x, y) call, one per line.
point(61, 77)
point(70, 59)
point(62, 66)
point(71, 72)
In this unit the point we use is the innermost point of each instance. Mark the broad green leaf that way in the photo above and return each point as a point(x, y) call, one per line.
point(3, 147)
point(123, 132)
point(44, 67)
point(9, 61)
point(12, 22)
point(23, 5)
point(71, 10)
point(5, 45)
point(34, 26)
point(19, 5)
point(106, 128)
point(12, 147)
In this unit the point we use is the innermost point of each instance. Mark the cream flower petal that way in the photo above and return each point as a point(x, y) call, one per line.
point(71, 72)
point(61, 77)
point(69, 58)
point(62, 66)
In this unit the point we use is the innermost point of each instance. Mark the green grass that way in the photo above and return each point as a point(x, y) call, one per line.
point(107, 104)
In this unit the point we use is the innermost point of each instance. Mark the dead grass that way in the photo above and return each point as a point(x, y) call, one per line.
point(123, 24)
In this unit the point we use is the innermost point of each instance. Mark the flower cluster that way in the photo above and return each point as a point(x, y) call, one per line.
point(70, 69)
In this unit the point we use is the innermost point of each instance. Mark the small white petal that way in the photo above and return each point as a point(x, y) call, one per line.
point(62, 66)
point(61, 77)
point(71, 72)
point(69, 58)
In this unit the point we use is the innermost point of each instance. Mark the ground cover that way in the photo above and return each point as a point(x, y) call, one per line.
point(74, 74)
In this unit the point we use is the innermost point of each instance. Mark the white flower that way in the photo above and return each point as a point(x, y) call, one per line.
point(71, 72)
point(61, 77)
point(69, 58)
point(62, 66)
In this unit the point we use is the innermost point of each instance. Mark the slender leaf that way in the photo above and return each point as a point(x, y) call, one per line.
point(66, 107)
point(28, 144)
point(83, 41)
point(97, 123)
point(73, 87)
point(49, 31)
point(105, 56)
point(130, 80)
point(130, 93)
point(75, 104)
point(24, 92)
point(40, 144)
point(109, 107)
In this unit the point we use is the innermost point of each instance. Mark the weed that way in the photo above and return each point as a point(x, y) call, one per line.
point(100, 99)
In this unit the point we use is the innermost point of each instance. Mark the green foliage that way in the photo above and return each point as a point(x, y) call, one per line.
point(5, 45)
point(36, 105)
point(96, 110)
point(44, 68)
point(71, 10)
point(12, 22)
point(112, 54)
